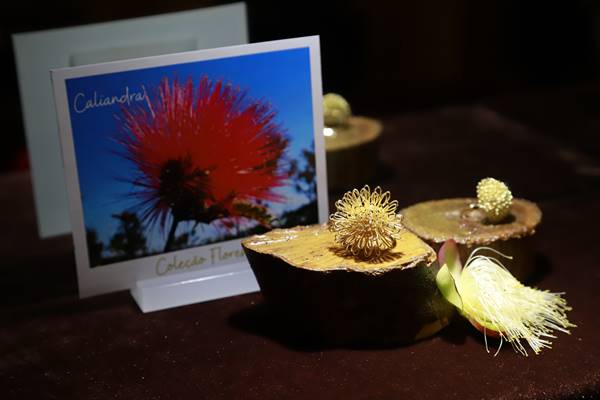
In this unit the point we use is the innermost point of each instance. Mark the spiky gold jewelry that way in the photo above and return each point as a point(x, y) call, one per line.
point(366, 223)
point(494, 197)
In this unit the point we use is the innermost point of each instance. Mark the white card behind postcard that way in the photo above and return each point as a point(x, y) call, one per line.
point(38, 52)
point(280, 81)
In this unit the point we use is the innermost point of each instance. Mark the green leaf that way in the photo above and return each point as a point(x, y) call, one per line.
point(447, 285)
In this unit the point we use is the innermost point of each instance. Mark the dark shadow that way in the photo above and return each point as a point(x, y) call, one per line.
point(542, 268)
point(457, 331)
point(506, 221)
point(261, 320)
point(385, 256)
point(460, 329)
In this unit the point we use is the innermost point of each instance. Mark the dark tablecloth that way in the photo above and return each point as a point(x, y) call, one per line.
point(55, 346)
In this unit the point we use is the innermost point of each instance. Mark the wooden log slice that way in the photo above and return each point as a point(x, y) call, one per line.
point(338, 298)
point(439, 220)
point(352, 152)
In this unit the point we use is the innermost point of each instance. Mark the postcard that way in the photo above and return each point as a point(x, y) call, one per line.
point(171, 160)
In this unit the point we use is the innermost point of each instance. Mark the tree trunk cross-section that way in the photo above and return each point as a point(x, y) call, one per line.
point(439, 220)
point(317, 287)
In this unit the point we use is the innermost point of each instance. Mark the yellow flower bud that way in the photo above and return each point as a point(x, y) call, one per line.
point(494, 197)
point(336, 109)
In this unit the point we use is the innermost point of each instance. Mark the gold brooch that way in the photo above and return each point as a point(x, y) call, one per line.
point(366, 223)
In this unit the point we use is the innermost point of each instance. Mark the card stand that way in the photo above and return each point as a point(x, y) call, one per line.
point(193, 287)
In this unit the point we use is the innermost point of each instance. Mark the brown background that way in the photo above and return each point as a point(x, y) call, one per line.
point(385, 56)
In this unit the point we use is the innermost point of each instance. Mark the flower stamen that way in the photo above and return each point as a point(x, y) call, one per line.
point(495, 198)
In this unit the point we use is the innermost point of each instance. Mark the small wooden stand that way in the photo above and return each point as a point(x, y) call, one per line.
point(439, 220)
point(352, 152)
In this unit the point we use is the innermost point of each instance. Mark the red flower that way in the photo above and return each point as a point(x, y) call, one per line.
point(200, 152)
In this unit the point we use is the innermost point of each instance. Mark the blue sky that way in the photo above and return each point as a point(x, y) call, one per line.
point(281, 78)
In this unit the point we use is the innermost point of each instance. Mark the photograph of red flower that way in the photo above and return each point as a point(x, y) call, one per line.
point(182, 170)
point(181, 156)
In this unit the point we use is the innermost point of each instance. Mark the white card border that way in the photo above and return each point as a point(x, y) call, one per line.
point(124, 275)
